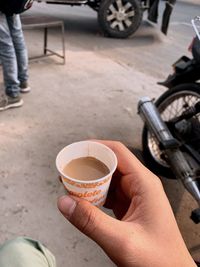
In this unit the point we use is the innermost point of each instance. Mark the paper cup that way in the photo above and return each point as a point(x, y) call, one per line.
point(95, 191)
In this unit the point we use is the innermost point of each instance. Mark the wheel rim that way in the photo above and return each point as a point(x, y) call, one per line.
point(120, 15)
point(172, 106)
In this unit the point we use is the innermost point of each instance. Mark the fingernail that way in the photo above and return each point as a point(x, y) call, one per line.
point(67, 206)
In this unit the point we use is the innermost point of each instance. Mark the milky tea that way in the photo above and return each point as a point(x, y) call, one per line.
point(86, 169)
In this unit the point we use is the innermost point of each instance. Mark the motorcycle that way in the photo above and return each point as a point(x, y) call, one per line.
point(171, 135)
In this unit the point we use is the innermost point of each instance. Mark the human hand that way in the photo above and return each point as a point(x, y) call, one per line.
point(145, 232)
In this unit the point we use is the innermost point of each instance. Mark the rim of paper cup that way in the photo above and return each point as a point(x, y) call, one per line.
point(90, 181)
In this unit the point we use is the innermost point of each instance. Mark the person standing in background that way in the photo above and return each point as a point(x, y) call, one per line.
point(14, 60)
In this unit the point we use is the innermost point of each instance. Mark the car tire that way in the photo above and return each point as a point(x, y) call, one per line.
point(119, 18)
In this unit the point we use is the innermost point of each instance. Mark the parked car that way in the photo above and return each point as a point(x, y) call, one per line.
point(117, 18)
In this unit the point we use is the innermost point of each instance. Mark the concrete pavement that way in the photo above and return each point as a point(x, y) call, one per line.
point(92, 96)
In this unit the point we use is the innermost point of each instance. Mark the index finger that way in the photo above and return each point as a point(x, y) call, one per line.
point(127, 162)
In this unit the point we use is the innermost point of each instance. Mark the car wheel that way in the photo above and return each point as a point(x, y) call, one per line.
point(119, 18)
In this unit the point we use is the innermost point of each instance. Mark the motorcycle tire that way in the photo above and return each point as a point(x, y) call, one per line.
point(119, 18)
point(155, 163)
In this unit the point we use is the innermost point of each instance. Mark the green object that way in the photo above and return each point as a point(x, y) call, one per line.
point(25, 252)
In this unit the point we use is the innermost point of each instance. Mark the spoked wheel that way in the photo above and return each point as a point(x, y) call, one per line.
point(170, 105)
point(120, 18)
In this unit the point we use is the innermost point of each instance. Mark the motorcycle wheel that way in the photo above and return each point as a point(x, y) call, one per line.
point(170, 104)
point(119, 18)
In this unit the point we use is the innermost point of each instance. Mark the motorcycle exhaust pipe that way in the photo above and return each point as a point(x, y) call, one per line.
point(151, 117)
point(183, 171)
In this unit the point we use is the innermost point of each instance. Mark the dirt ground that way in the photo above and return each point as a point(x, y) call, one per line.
point(90, 97)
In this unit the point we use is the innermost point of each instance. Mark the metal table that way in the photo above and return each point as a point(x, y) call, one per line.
point(36, 22)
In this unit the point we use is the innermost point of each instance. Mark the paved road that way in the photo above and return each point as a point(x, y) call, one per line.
point(148, 50)
point(128, 69)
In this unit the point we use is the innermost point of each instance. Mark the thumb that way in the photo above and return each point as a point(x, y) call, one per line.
point(91, 221)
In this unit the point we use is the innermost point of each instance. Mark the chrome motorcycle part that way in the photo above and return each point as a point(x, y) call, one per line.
point(170, 105)
point(184, 172)
point(174, 156)
point(150, 115)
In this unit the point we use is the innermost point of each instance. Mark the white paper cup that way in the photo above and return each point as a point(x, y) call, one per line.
point(94, 191)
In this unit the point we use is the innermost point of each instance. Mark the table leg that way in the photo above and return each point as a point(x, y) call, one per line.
point(63, 41)
point(45, 40)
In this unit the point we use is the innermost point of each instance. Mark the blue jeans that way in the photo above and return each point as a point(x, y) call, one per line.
point(13, 53)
